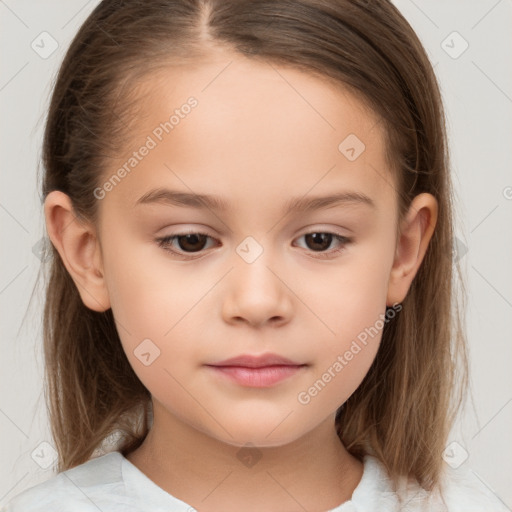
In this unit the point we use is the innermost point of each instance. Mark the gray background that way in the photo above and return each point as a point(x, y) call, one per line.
point(477, 90)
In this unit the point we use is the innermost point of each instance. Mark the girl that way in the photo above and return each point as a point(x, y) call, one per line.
point(250, 302)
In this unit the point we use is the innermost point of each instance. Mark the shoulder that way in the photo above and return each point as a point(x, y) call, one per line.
point(88, 487)
point(460, 490)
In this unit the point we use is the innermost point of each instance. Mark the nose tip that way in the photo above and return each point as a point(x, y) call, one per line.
point(257, 296)
point(259, 320)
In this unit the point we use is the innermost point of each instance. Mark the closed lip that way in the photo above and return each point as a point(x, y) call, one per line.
point(257, 361)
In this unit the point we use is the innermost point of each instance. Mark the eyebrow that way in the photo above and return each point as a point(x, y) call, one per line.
point(296, 204)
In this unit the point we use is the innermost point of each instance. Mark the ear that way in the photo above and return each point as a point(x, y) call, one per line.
point(79, 249)
point(416, 231)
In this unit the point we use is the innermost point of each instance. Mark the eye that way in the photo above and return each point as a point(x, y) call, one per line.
point(319, 241)
point(187, 243)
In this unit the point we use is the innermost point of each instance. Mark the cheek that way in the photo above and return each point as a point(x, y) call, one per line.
point(351, 295)
point(153, 306)
point(149, 294)
point(354, 307)
point(343, 360)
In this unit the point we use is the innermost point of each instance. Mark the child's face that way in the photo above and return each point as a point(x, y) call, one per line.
point(258, 137)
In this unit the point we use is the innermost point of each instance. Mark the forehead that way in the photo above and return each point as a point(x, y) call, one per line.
point(255, 127)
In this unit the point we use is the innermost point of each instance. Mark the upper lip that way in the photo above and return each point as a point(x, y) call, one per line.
point(257, 361)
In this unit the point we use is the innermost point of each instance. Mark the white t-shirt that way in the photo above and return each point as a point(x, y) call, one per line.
point(111, 483)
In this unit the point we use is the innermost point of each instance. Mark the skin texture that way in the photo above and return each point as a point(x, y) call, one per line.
point(259, 135)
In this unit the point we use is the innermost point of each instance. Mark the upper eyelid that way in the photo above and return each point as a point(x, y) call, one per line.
point(201, 231)
point(197, 232)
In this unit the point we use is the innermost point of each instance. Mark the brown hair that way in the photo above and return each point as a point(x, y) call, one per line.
point(403, 410)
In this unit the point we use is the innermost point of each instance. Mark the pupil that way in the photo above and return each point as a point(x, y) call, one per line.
point(324, 239)
point(191, 240)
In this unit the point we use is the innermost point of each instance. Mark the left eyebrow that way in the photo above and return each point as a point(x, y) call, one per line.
point(296, 204)
point(306, 204)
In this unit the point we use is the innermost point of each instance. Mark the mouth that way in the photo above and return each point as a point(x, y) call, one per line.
point(257, 371)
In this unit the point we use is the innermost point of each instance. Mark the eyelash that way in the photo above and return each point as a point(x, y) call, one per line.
point(165, 243)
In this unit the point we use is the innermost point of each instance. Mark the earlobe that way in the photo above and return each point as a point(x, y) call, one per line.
point(416, 231)
point(79, 249)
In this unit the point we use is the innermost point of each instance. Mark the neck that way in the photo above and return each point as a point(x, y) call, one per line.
point(314, 472)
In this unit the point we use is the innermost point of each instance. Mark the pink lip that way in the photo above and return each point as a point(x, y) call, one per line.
point(250, 361)
point(257, 371)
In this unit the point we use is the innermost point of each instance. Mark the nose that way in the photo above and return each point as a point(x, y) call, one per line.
point(257, 295)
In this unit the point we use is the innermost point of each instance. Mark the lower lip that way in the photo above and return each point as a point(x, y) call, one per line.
point(263, 377)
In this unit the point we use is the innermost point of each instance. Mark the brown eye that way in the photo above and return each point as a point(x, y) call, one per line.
point(319, 241)
point(191, 242)
point(184, 243)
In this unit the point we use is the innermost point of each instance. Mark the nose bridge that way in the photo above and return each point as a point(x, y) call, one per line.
point(252, 268)
point(255, 292)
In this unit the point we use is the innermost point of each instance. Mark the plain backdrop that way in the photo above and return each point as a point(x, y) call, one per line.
point(469, 43)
